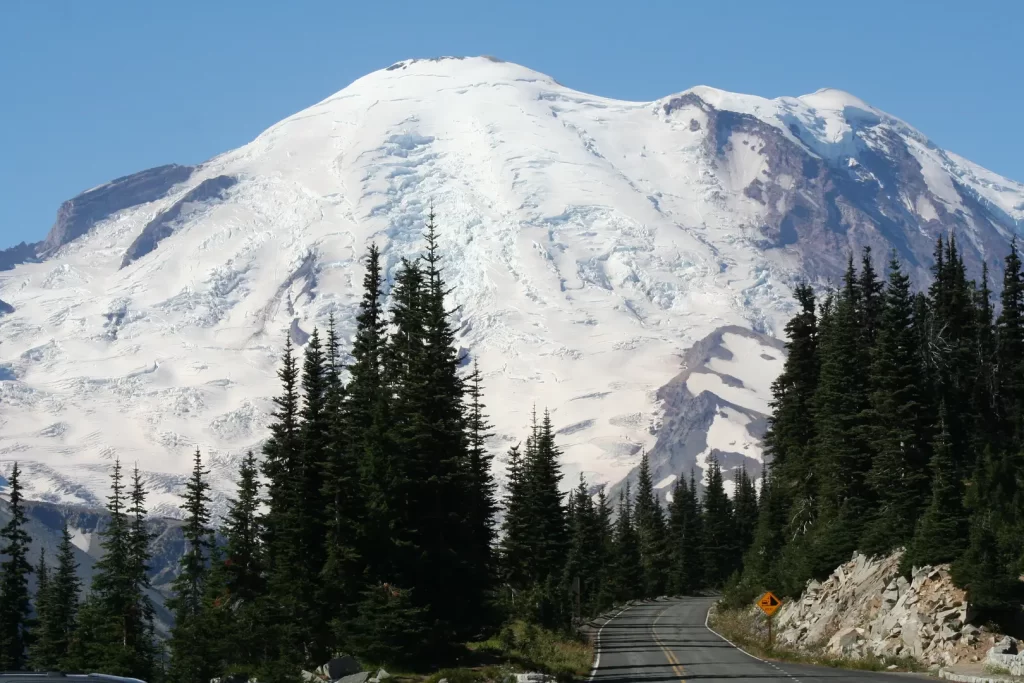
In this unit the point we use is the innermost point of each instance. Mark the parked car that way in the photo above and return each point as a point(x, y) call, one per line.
point(57, 677)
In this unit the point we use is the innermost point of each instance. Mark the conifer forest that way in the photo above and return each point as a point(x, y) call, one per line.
point(372, 523)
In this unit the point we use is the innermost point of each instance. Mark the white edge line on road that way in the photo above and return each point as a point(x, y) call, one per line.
point(597, 642)
point(708, 617)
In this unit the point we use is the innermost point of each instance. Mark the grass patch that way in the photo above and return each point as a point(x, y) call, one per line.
point(488, 674)
point(526, 647)
point(748, 631)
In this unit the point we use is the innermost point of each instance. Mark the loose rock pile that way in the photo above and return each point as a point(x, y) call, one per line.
point(866, 608)
point(342, 669)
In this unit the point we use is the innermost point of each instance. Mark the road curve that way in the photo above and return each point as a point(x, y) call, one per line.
point(666, 640)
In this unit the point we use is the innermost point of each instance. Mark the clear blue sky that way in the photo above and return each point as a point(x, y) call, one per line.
point(92, 90)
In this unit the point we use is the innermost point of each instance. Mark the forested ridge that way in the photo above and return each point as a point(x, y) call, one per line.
point(370, 524)
point(898, 422)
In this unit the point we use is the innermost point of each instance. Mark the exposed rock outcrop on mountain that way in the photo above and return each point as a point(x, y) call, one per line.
point(76, 216)
point(710, 412)
point(866, 608)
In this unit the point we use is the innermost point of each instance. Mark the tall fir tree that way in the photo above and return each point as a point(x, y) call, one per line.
point(340, 580)
point(942, 532)
point(628, 574)
point(446, 584)
point(143, 650)
point(191, 642)
point(745, 510)
point(899, 422)
point(678, 510)
point(282, 535)
point(237, 581)
point(790, 434)
point(844, 499)
point(585, 564)
point(15, 602)
point(514, 547)
point(692, 553)
point(760, 566)
point(543, 473)
point(116, 632)
point(721, 551)
point(872, 299)
point(1010, 351)
point(58, 620)
point(39, 652)
point(482, 507)
point(650, 525)
point(311, 616)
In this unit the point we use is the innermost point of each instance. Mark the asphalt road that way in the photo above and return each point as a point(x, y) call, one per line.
point(667, 641)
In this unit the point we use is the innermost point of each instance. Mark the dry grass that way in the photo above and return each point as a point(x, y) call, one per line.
point(520, 647)
point(738, 626)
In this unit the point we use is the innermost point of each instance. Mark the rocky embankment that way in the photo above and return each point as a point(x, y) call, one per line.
point(865, 608)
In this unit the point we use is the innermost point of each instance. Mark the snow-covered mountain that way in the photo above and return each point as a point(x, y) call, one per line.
point(591, 242)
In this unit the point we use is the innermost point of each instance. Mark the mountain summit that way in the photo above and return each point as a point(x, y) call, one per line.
point(590, 243)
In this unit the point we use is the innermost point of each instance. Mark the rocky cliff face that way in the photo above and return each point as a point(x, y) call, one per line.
point(76, 216)
point(710, 412)
point(866, 608)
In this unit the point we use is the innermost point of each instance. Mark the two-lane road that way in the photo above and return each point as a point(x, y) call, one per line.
point(667, 641)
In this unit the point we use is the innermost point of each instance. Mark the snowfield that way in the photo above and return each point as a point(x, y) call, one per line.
point(590, 242)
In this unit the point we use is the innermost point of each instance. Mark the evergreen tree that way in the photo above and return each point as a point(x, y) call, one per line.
point(898, 421)
point(59, 618)
point(40, 651)
point(237, 582)
point(543, 474)
point(116, 622)
point(872, 300)
point(843, 452)
point(942, 533)
point(719, 540)
point(989, 568)
point(692, 553)
point(1010, 350)
point(280, 458)
point(449, 584)
point(628, 568)
point(389, 628)
point(310, 510)
point(585, 562)
point(281, 528)
point(141, 633)
point(650, 525)
point(192, 660)
point(791, 430)
point(678, 510)
point(606, 550)
point(516, 527)
point(15, 603)
point(243, 557)
point(951, 348)
point(760, 566)
point(482, 508)
point(339, 579)
point(745, 508)
point(985, 399)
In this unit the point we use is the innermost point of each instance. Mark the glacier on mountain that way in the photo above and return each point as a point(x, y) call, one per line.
point(590, 244)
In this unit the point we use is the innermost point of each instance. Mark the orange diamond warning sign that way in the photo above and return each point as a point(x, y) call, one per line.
point(769, 603)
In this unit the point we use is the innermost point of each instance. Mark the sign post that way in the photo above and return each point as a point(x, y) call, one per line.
point(769, 604)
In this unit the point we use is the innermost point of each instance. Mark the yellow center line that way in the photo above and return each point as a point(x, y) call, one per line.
point(677, 668)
